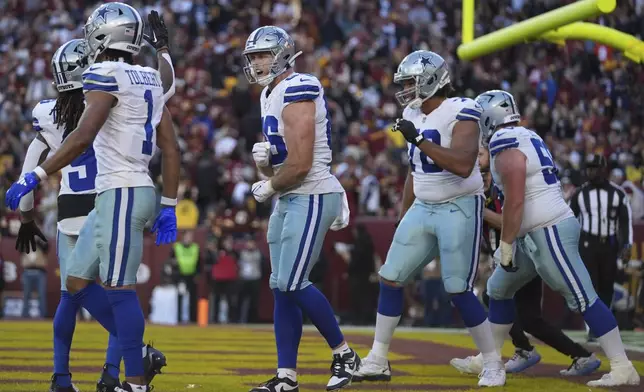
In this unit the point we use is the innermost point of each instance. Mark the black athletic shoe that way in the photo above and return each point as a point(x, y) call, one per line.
point(54, 387)
point(277, 384)
point(342, 369)
point(153, 361)
point(107, 383)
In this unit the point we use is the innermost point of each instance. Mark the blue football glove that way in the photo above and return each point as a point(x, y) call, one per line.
point(25, 184)
point(165, 225)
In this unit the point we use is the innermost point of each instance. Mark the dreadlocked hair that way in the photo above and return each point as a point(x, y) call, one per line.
point(68, 109)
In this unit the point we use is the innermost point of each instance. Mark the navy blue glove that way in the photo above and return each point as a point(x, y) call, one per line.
point(25, 184)
point(165, 225)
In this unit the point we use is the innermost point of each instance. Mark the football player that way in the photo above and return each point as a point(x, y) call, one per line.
point(441, 212)
point(124, 105)
point(540, 235)
point(296, 158)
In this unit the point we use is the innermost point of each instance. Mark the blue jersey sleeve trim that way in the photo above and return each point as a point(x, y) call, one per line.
point(302, 89)
point(300, 97)
point(466, 118)
point(87, 77)
point(499, 145)
point(100, 87)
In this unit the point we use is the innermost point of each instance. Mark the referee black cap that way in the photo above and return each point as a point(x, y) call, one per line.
point(596, 161)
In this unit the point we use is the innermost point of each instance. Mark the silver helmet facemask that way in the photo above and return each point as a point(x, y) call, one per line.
point(499, 108)
point(68, 64)
point(429, 72)
point(277, 42)
point(115, 26)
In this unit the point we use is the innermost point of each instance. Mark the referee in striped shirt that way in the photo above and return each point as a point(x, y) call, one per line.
point(604, 213)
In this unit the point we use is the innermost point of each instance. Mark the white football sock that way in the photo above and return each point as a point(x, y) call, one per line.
point(482, 335)
point(291, 374)
point(611, 344)
point(342, 349)
point(138, 388)
point(499, 333)
point(385, 327)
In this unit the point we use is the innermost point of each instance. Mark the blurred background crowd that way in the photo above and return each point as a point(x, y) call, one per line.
point(580, 97)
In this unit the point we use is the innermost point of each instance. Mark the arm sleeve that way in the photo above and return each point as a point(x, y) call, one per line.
point(574, 203)
point(502, 141)
point(168, 94)
point(625, 221)
point(32, 158)
point(469, 111)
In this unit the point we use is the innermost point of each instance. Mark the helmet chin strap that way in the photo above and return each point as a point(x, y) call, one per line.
point(269, 78)
point(100, 49)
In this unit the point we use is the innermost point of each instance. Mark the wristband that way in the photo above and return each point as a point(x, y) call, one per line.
point(41, 173)
point(168, 202)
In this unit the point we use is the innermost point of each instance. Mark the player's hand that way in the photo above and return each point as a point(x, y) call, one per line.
point(625, 253)
point(507, 255)
point(165, 225)
point(261, 153)
point(158, 31)
point(409, 131)
point(25, 184)
point(262, 190)
point(27, 234)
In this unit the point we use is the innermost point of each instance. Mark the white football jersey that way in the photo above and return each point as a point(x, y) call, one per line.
point(296, 88)
point(127, 141)
point(432, 183)
point(544, 203)
point(78, 178)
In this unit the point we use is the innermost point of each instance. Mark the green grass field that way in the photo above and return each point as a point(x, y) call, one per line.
point(234, 358)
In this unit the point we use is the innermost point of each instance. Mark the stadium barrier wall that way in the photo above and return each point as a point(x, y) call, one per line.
point(335, 286)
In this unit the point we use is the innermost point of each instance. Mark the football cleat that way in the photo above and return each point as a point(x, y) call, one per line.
point(277, 384)
point(492, 377)
point(472, 364)
point(373, 368)
point(342, 369)
point(582, 366)
point(153, 361)
point(626, 375)
point(107, 383)
point(522, 360)
point(54, 387)
point(126, 387)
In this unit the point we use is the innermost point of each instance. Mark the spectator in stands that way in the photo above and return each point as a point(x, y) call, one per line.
point(251, 267)
point(34, 278)
point(223, 280)
point(186, 256)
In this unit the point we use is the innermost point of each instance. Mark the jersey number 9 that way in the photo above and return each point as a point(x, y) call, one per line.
point(545, 158)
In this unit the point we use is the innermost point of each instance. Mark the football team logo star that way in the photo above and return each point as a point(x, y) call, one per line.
point(425, 61)
point(100, 14)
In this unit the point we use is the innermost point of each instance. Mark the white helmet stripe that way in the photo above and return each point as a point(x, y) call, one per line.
point(60, 72)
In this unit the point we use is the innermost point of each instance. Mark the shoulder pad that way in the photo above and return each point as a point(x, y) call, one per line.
point(101, 77)
point(301, 87)
point(42, 114)
point(506, 138)
point(467, 109)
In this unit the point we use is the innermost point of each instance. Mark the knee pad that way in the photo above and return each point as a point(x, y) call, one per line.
point(497, 290)
point(454, 285)
point(390, 274)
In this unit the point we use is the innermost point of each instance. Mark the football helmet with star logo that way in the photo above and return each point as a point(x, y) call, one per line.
point(68, 63)
point(499, 108)
point(279, 48)
point(421, 73)
point(115, 26)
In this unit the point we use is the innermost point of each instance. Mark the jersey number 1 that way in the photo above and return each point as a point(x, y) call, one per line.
point(549, 170)
point(149, 130)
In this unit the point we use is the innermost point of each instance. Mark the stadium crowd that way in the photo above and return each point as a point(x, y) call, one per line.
point(581, 97)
